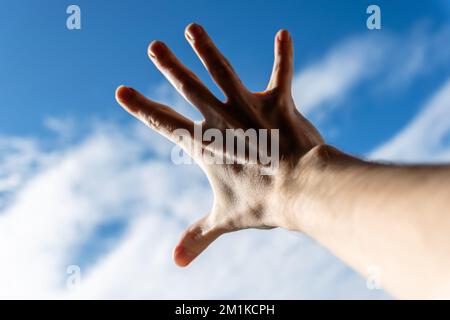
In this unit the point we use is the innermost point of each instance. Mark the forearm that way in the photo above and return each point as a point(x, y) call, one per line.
point(396, 218)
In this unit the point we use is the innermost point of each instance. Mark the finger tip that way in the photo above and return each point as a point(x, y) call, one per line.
point(124, 94)
point(182, 257)
point(191, 26)
point(155, 48)
point(283, 35)
point(193, 30)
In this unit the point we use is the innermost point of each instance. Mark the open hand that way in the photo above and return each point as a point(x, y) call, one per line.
point(243, 196)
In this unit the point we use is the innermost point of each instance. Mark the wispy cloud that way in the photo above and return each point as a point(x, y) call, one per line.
point(427, 137)
point(333, 76)
point(115, 177)
point(385, 60)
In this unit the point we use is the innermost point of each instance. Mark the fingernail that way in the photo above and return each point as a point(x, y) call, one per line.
point(283, 35)
point(189, 36)
point(156, 48)
point(124, 93)
point(193, 31)
point(182, 256)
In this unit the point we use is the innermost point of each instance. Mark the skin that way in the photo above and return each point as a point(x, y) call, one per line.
point(395, 218)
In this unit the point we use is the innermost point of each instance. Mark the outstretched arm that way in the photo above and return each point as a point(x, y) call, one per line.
point(389, 218)
point(392, 217)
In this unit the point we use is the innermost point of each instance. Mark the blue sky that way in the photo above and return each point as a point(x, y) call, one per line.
point(81, 183)
point(48, 70)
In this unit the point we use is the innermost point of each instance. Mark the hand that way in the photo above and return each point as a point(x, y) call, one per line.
point(243, 197)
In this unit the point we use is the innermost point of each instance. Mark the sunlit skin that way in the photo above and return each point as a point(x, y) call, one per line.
point(396, 218)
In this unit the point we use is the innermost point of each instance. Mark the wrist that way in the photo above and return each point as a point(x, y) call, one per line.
point(306, 189)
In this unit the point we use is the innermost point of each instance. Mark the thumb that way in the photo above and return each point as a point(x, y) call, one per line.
point(194, 241)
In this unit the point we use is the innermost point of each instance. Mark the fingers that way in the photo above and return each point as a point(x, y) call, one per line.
point(157, 116)
point(184, 80)
point(217, 65)
point(193, 242)
point(283, 66)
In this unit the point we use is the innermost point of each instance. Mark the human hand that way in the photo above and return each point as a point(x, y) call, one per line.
point(243, 197)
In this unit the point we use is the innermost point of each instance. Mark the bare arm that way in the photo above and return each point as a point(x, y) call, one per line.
point(396, 218)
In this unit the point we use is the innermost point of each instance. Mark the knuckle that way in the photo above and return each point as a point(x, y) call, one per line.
point(186, 86)
point(151, 120)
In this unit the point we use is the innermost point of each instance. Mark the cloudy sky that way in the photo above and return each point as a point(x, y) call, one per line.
point(85, 188)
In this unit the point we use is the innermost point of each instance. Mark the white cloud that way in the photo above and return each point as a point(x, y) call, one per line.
point(63, 127)
point(339, 71)
point(426, 138)
point(115, 174)
point(388, 60)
